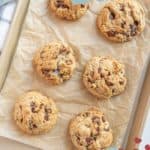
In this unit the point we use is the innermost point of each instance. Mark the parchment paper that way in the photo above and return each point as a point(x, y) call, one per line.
point(42, 27)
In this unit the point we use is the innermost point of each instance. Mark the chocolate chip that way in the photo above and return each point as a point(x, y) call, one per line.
point(82, 5)
point(102, 75)
point(123, 24)
point(109, 83)
point(96, 119)
point(108, 73)
point(62, 5)
point(41, 54)
point(122, 8)
point(136, 22)
point(33, 107)
point(113, 90)
point(99, 70)
point(111, 33)
point(69, 62)
point(47, 111)
point(86, 114)
point(20, 107)
point(21, 120)
point(56, 71)
point(103, 119)
point(97, 129)
point(89, 140)
point(41, 105)
point(32, 125)
point(133, 29)
point(121, 82)
point(45, 71)
point(112, 16)
point(78, 138)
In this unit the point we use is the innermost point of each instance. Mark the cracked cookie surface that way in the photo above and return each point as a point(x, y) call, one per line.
point(104, 77)
point(90, 130)
point(64, 9)
point(121, 20)
point(34, 113)
point(55, 62)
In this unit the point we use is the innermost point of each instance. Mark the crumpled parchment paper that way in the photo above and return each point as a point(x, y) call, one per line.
point(42, 27)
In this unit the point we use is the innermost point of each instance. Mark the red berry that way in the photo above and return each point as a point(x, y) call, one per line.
point(147, 147)
point(137, 140)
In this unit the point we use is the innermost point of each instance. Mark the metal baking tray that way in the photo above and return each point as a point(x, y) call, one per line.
point(135, 126)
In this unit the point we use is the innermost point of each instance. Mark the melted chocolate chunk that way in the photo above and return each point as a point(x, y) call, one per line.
point(96, 119)
point(103, 119)
point(32, 125)
point(102, 75)
point(82, 5)
point(123, 24)
point(89, 140)
point(56, 71)
point(121, 82)
point(122, 8)
point(133, 29)
point(21, 120)
point(109, 83)
point(41, 54)
point(20, 107)
point(112, 16)
point(41, 105)
point(47, 111)
point(99, 70)
point(113, 90)
point(33, 107)
point(111, 33)
point(60, 4)
point(136, 22)
point(86, 114)
point(45, 71)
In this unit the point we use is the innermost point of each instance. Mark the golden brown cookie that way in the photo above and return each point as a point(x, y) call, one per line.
point(121, 20)
point(90, 130)
point(64, 9)
point(55, 62)
point(34, 113)
point(104, 77)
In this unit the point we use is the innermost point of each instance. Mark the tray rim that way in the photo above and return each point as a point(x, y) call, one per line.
point(9, 47)
point(9, 52)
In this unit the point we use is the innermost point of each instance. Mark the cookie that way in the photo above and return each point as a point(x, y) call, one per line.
point(90, 130)
point(55, 62)
point(64, 9)
point(104, 77)
point(34, 113)
point(121, 20)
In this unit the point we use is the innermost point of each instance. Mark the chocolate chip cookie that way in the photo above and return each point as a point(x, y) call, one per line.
point(90, 130)
point(34, 113)
point(104, 77)
point(64, 9)
point(55, 62)
point(121, 20)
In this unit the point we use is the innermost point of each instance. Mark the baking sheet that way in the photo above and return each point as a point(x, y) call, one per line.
point(42, 27)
